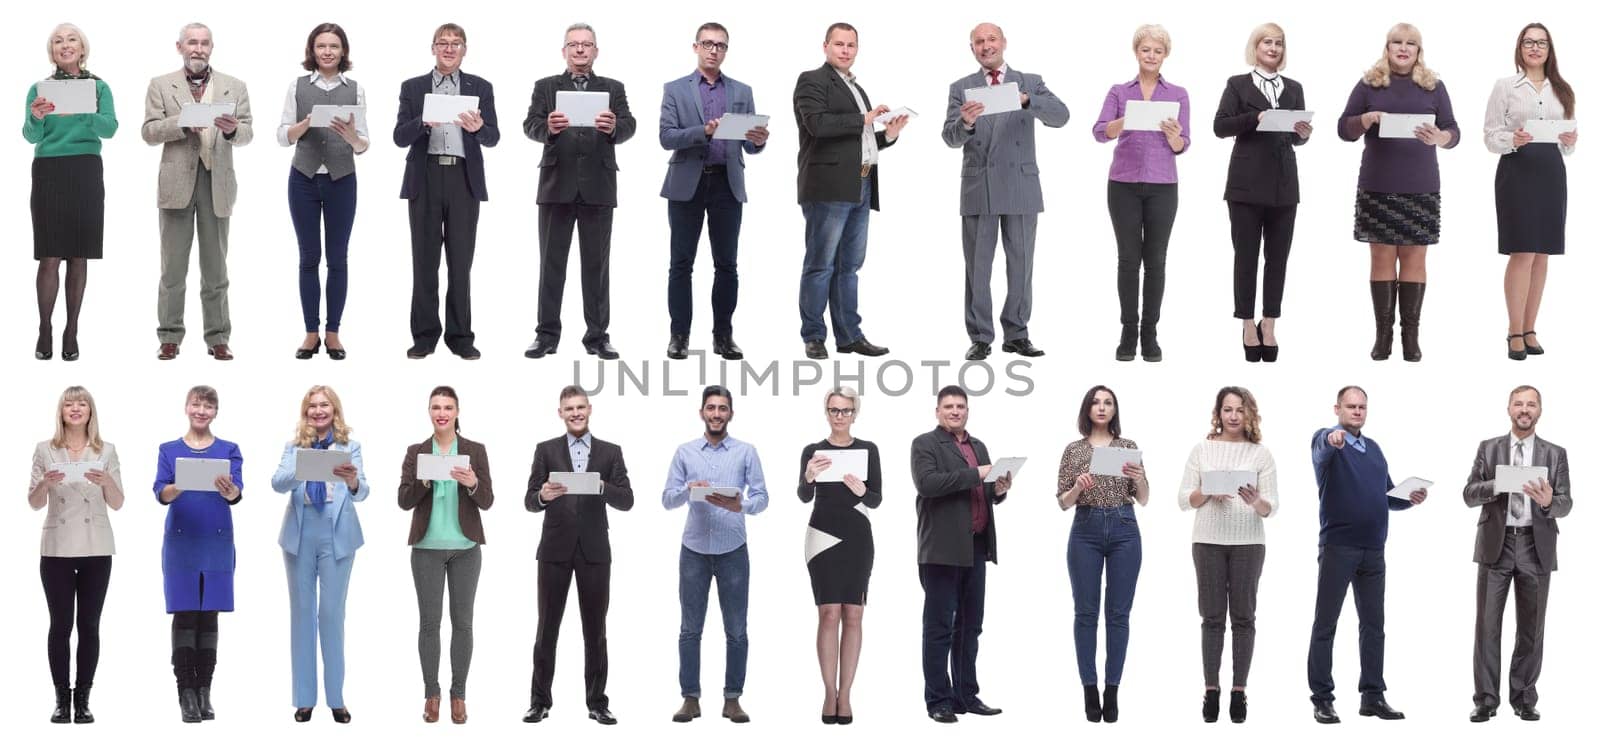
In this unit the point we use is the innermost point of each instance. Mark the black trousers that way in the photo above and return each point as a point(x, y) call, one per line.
point(69, 583)
point(1518, 568)
point(1258, 227)
point(1141, 217)
point(594, 598)
point(952, 620)
point(594, 256)
point(715, 208)
point(446, 214)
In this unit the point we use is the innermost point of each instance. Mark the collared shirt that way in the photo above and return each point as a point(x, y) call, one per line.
point(731, 463)
point(979, 503)
point(869, 141)
point(578, 448)
point(989, 77)
point(1525, 515)
point(291, 108)
point(1514, 101)
point(1269, 84)
point(714, 104)
point(444, 139)
point(1143, 156)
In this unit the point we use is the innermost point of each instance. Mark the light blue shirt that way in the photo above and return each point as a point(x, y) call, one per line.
point(732, 463)
point(578, 449)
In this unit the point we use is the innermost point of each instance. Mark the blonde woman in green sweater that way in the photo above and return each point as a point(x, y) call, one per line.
point(68, 199)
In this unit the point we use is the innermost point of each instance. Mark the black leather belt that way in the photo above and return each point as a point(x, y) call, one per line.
point(1519, 530)
point(445, 160)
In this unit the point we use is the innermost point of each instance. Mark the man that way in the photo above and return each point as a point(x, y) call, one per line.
point(443, 185)
point(705, 185)
point(1516, 545)
point(1353, 488)
point(838, 187)
point(714, 547)
point(955, 540)
point(575, 543)
point(1000, 194)
point(577, 185)
point(196, 188)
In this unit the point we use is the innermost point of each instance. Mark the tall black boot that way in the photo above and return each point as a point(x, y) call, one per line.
point(205, 666)
point(1383, 302)
point(183, 670)
point(80, 706)
point(1411, 319)
point(63, 712)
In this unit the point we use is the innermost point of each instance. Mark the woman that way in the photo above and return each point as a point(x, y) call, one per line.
point(197, 555)
point(446, 531)
point(69, 192)
point(1105, 537)
point(1397, 194)
point(1142, 193)
point(1530, 185)
point(322, 177)
point(1229, 540)
point(319, 538)
point(78, 476)
point(1263, 183)
point(839, 571)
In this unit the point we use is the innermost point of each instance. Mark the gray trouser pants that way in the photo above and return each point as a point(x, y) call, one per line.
point(1227, 576)
point(178, 228)
point(431, 570)
point(1517, 566)
point(979, 234)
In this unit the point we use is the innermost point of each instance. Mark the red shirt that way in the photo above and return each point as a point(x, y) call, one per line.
point(980, 502)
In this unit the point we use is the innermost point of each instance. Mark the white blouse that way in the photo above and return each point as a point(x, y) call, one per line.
point(1515, 100)
point(1230, 521)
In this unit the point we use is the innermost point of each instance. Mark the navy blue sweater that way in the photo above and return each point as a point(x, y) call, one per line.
point(1352, 488)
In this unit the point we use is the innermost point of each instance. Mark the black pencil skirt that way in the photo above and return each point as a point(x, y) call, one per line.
point(69, 207)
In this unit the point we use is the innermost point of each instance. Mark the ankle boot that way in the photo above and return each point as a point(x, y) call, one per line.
point(1236, 706)
point(80, 706)
point(1147, 342)
point(1212, 706)
point(1383, 301)
point(1411, 319)
point(1091, 703)
point(1125, 352)
point(1109, 705)
point(62, 714)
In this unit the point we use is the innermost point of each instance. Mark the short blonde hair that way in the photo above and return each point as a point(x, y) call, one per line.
point(305, 435)
point(91, 427)
point(50, 45)
point(1261, 32)
point(1152, 31)
point(845, 392)
point(1378, 75)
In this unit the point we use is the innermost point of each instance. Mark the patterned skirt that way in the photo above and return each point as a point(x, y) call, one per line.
point(1400, 219)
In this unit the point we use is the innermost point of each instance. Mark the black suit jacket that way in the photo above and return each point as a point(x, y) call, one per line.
point(1492, 517)
point(830, 138)
point(409, 131)
point(944, 499)
point(1262, 170)
point(580, 164)
point(578, 522)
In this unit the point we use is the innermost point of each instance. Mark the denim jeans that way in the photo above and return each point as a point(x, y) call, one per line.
point(732, 572)
point(836, 245)
point(1340, 567)
point(315, 202)
point(1103, 539)
point(952, 620)
point(714, 207)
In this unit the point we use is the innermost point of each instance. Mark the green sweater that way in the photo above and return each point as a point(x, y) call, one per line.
point(70, 134)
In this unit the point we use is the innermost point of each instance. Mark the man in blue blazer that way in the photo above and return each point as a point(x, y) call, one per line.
point(444, 184)
point(705, 185)
point(1000, 194)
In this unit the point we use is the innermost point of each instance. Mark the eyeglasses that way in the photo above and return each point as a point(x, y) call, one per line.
point(449, 45)
point(713, 46)
point(580, 45)
point(1535, 43)
point(841, 412)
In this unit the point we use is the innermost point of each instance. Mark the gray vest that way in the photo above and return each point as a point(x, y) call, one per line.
point(321, 146)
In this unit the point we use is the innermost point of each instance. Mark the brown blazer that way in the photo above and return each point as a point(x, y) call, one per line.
point(416, 495)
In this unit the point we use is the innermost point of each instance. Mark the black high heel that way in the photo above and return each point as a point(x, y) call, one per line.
point(1514, 354)
point(69, 343)
point(1211, 706)
point(306, 353)
point(41, 349)
point(1269, 353)
point(1091, 703)
point(1252, 353)
point(1532, 349)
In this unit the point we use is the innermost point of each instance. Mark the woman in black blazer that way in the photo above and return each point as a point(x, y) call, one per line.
point(1263, 183)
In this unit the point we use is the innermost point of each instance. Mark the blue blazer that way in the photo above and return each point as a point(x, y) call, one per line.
point(346, 527)
point(683, 132)
point(409, 131)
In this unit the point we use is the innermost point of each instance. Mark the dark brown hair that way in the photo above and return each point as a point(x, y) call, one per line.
point(1551, 72)
point(710, 26)
point(1086, 426)
point(310, 62)
point(446, 391)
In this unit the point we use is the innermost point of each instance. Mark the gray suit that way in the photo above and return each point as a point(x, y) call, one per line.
point(1505, 557)
point(1000, 195)
point(192, 196)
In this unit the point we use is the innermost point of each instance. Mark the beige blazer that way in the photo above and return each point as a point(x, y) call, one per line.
point(76, 524)
point(180, 152)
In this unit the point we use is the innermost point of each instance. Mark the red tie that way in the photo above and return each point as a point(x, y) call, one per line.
point(994, 77)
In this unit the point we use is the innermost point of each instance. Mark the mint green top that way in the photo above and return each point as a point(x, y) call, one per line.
point(444, 520)
point(69, 134)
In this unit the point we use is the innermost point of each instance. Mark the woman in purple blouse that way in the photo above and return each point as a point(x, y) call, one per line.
point(1397, 193)
point(1142, 194)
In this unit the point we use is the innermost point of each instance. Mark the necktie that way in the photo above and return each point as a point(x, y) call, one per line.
point(581, 81)
point(994, 77)
point(1515, 506)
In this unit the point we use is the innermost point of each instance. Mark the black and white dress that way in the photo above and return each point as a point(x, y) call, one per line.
point(839, 537)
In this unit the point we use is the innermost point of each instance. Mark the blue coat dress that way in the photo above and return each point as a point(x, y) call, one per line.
point(197, 557)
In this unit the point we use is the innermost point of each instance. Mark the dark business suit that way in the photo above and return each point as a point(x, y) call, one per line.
point(443, 210)
point(950, 561)
point(1507, 556)
point(575, 542)
point(1263, 190)
point(577, 185)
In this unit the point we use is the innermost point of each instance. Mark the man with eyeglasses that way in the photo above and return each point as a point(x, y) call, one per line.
point(577, 186)
point(705, 186)
point(443, 185)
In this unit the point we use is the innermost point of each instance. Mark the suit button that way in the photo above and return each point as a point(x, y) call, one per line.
point(86, 520)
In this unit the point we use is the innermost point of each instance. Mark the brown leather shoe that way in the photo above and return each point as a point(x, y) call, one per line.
point(732, 712)
point(688, 712)
point(458, 710)
point(220, 352)
point(430, 709)
point(168, 351)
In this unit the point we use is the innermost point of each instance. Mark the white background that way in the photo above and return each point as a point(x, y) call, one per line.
point(1428, 416)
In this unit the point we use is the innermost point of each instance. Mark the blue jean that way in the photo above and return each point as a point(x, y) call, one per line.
point(315, 202)
point(1103, 539)
point(1340, 567)
point(732, 572)
point(313, 615)
point(836, 245)
point(952, 620)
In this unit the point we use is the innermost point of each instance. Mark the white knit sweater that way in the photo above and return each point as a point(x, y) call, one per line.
point(1230, 521)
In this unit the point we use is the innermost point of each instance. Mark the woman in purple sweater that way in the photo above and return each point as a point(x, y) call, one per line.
point(1397, 194)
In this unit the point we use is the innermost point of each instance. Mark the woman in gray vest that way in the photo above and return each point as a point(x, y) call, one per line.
point(322, 177)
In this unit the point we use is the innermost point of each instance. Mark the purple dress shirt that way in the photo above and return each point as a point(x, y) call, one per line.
point(1143, 156)
point(714, 103)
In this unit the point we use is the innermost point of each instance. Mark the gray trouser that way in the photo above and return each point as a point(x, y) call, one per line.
point(177, 236)
point(1227, 576)
point(1518, 564)
point(979, 233)
point(430, 571)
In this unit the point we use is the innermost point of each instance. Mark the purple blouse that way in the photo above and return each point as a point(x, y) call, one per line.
point(1398, 165)
point(1143, 156)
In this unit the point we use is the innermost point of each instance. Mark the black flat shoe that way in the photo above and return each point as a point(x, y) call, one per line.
point(845, 720)
point(978, 708)
point(727, 348)
point(943, 715)
point(1322, 711)
point(305, 354)
point(302, 715)
point(830, 718)
point(341, 715)
point(979, 351)
point(816, 350)
point(1513, 353)
point(42, 349)
point(601, 350)
point(1382, 710)
point(1022, 346)
point(863, 347)
point(678, 347)
point(1526, 713)
point(337, 354)
point(535, 714)
point(1532, 349)
point(1269, 353)
point(1212, 705)
point(540, 349)
point(1481, 714)
point(602, 716)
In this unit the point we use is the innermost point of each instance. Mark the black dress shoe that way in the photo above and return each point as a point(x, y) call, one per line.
point(1526, 713)
point(601, 350)
point(337, 354)
point(816, 350)
point(418, 352)
point(862, 347)
point(536, 714)
point(1022, 346)
point(540, 349)
point(603, 716)
point(1481, 714)
point(727, 348)
point(827, 718)
point(1534, 349)
point(1322, 711)
point(467, 353)
point(1382, 710)
point(978, 708)
point(304, 354)
point(943, 714)
point(341, 715)
point(677, 347)
point(302, 715)
point(845, 720)
point(978, 351)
